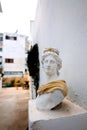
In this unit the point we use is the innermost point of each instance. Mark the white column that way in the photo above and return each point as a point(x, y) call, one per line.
point(32, 89)
point(0, 82)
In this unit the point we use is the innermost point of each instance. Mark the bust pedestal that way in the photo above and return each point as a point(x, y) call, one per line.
point(68, 116)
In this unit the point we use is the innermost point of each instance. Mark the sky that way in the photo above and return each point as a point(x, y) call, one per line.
point(16, 15)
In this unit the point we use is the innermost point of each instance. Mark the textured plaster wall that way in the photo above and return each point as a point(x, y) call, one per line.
point(63, 24)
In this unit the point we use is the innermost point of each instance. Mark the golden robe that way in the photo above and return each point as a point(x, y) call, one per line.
point(52, 86)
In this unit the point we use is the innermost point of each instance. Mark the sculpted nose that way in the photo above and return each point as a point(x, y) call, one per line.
point(48, 63)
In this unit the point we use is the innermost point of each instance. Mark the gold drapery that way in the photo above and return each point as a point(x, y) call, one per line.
point(54, 85)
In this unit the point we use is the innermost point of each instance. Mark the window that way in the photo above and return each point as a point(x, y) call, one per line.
point(13, 72)
point(15, 38)
point(9, 60)
point(1, 38)
point(10, 37)
point(0, 49)
point(0, 59)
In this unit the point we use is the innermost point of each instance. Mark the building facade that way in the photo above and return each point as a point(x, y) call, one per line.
point(12, 54)
point(1, 46)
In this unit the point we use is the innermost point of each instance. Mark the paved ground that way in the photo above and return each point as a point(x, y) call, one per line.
point(13, 108)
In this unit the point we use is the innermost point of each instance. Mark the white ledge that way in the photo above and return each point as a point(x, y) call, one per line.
point(67, 109)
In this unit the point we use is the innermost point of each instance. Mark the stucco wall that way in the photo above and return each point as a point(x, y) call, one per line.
point(63, 24)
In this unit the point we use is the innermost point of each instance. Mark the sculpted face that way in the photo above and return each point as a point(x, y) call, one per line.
point(50, 65)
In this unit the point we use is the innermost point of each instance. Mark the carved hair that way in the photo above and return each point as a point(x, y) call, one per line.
point(55, 53)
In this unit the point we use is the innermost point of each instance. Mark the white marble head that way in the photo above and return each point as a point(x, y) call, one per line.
point(51, 62)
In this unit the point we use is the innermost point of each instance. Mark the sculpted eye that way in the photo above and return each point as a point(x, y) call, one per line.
point(52, 61)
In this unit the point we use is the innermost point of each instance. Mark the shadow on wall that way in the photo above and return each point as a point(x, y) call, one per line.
point(34, 64)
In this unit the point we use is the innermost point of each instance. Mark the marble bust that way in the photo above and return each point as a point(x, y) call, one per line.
point(53, 91)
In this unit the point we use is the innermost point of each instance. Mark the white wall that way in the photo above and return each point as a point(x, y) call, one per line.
point(14, 49)
point(63, 24)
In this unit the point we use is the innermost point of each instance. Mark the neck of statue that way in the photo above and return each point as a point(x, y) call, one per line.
point(50, 78)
